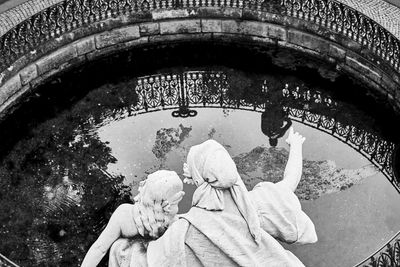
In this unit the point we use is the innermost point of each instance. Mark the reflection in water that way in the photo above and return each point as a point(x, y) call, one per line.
point(278, 102)
point(275, 120)
point(56, 187)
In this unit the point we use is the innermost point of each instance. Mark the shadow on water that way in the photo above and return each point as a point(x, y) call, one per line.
point(56, 192)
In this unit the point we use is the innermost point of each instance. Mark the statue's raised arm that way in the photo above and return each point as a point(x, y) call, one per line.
point(294, 166)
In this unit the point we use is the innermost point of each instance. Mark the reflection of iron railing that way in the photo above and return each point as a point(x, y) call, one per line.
point(387, 256)
point(68, 15)
point(212, 89)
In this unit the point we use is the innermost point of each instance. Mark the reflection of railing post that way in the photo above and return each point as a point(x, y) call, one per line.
point(183, 100)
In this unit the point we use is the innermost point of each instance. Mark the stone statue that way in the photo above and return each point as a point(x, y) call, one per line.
point(227, 225)
point(154, 210)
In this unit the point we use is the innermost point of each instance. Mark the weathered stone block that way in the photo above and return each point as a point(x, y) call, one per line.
point(117, 36)
point(105, 51)
point(364, 70)
point(85, 46)
point(180, 37)
point(43, 78)
point(12, 99)
point(168, 14)
point(230, 26)
point(254, 28)
point(211, 25)
point(397, 96)
point(308, 41)
point(396, 78)
point(9, 88)
point(277, 32)
point(262, 40)
point(184, 26)
point(147, 29)
point(140, 41)
point(54, 60)
point(28, 74)
point(389, 83)
point(336, 52)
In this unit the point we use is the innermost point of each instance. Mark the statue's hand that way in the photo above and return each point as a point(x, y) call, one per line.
point(295, 138)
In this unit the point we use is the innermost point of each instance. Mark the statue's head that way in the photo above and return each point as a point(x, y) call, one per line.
point(159, 196)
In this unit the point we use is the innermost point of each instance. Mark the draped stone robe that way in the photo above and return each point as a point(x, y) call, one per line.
point(221, 238)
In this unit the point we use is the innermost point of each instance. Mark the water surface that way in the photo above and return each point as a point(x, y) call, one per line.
point(62, 179)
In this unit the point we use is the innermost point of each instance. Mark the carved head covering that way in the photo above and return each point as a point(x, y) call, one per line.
point(161, 186)
point(155, 200)
point(212, 170)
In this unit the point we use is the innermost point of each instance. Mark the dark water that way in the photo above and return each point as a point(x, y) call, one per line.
point(67, 165)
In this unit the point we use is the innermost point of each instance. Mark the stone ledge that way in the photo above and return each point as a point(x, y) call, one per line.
point(308, 41)
point(117, 36)
point(56, 59)
point(85, 46)
point(151, 28)
point(355, 63)
point(179, 27)
point(10, 88)
point(28, 74)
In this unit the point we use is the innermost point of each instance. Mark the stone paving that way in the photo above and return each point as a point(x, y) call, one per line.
point(382, 12)
point(16, 15)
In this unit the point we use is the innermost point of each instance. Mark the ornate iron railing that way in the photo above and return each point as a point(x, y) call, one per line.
point(68, 15)
point(387, 256)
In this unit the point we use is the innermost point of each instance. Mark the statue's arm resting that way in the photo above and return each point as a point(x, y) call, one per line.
point(110, 234)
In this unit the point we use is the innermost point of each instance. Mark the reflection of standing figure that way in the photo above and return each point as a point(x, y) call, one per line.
point(274, 120)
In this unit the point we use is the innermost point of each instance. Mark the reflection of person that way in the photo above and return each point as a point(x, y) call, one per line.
point(227, 225)
point(274, 120)
point(274, 123)
point(158, 199)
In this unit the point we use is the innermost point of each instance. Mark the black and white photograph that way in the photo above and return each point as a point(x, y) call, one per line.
point(189, 133)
